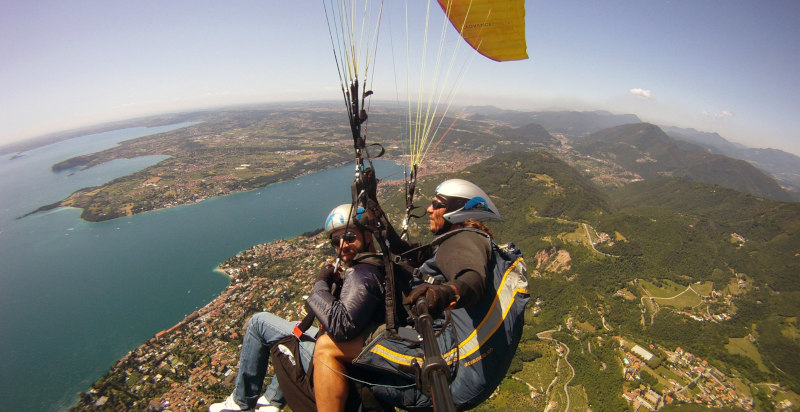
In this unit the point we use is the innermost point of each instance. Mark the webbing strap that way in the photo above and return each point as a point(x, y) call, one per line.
point(391, 312)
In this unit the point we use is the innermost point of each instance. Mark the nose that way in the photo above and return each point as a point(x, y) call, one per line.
point(430, 209)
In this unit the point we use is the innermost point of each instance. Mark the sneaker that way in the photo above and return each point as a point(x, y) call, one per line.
point(263, 405)
point(228, 405)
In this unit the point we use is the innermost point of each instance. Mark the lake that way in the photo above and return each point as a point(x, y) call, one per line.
point(77, 296)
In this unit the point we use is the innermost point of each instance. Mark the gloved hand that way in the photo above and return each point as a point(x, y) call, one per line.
point(439, 297)
point(326, 274)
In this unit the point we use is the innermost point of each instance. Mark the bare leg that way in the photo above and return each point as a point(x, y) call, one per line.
point(330, 362)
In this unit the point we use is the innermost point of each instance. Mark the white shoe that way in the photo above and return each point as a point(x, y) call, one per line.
point(228, 405)
point(263, 405)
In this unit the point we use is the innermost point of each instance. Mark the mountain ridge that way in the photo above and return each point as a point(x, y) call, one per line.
point(646, 150)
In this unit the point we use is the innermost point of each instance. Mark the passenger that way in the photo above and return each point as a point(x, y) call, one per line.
point(344, 314)
point(461, 262)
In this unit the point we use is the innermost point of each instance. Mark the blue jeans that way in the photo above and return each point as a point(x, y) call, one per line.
point(263, 330)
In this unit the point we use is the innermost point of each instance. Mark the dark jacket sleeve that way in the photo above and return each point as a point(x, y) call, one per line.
point(464, 261)
point(361, 296)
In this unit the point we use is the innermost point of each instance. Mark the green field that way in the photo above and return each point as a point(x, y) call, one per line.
point(674, 295)
point(667, 289)
point(578, 236)
point(578, 401)
point(540, 372)
point(703, 288)
point(667, 374)
point(511, 395)
point(743, 346)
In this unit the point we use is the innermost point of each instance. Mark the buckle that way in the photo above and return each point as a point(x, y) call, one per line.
point(296, 331)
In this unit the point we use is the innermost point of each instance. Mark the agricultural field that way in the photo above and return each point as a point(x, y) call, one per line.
point(578, 401)
point(665, 289)
point(677, 296)
point(703, 288)
point(511, 395)
point(540, 372)
point(578, 236)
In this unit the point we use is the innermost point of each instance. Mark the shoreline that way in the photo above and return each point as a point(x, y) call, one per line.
point(222, 272)
point(441, 163)
point(177, 367)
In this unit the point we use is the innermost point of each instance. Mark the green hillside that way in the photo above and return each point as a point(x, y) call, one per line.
point(669, 231)
point(646, 150)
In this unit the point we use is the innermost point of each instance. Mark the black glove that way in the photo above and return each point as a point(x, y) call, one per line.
point(439, 297)
point(326, 274)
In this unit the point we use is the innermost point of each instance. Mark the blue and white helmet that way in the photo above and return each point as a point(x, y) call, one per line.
point(340, 218)
point(465, 200)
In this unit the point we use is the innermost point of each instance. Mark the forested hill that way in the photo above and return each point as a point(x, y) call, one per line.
point(784, 166)
point(668, 231)
point(647, 151)
point(770, 229)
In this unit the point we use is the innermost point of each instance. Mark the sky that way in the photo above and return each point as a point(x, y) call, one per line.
point(725, 66)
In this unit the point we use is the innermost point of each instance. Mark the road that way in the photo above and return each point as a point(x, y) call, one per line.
point(591, 243)
point(542, 335)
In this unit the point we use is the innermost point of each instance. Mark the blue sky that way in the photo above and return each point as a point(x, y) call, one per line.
point(720, 66)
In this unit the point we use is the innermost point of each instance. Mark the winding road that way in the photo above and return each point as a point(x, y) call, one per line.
point(542, 335)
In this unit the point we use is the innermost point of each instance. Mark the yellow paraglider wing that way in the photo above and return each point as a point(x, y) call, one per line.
point(495, 28)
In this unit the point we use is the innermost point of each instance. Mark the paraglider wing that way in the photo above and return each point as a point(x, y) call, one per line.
point(495, 28)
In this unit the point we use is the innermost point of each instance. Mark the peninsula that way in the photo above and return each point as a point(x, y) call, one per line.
point(228, 152)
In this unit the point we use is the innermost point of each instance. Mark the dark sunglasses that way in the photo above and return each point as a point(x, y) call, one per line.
point(438, 205)
point(348, 237)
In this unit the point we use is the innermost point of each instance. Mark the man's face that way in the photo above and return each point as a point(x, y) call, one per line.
point(436, 214)
point(348, 243)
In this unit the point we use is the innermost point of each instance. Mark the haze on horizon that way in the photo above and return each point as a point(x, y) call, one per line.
point(718, 66)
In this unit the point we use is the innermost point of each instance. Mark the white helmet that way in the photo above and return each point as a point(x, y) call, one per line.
point(465, 200)
point(340, 217)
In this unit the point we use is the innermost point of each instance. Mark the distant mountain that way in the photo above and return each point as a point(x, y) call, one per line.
point(569, 123)
point(527, 136)
point(784, 167)
point(542, 184)
point(646, 150)
point(704, 139)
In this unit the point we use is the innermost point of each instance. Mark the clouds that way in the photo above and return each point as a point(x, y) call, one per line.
point(719, 115)
point(645, 94)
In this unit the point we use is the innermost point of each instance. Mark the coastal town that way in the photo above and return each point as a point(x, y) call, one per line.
point(193, 363)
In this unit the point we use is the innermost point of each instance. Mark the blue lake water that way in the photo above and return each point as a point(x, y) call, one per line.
point(76, 296)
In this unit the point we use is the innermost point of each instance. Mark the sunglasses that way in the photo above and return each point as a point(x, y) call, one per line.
point(348, 237)
point(435, 204)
